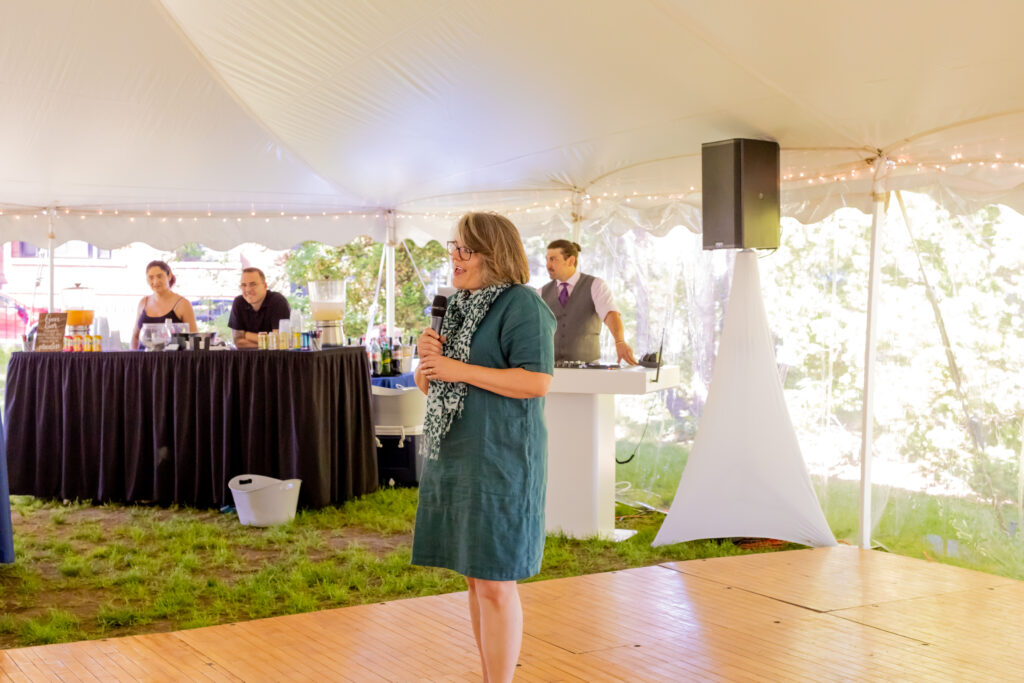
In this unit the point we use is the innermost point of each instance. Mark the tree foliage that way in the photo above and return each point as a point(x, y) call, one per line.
point(358, 263)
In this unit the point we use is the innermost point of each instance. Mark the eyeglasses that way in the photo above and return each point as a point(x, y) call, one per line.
point(465, 253)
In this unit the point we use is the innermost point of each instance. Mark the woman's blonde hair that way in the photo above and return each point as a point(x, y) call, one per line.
point(496, 239)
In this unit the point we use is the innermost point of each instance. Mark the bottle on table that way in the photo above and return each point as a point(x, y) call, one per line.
point(283, 332)
point(407, 351)
point(374, 358)
point(385, 358)
point(295, 318)
point(396, 356)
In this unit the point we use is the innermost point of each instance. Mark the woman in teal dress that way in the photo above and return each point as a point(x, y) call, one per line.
point(481, 498)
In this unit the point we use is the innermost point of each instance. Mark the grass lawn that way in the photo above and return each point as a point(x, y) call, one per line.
point(85, 571)
point(958, 531)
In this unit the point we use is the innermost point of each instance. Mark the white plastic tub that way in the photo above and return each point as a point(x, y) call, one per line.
point(264, 501)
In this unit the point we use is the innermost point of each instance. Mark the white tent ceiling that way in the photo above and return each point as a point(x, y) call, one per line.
point(223, 121)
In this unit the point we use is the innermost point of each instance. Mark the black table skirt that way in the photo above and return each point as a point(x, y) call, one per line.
point(174, 427)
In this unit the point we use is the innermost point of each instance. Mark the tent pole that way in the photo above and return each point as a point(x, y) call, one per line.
point(389, 252)
point(878, 196)
point(50, 239)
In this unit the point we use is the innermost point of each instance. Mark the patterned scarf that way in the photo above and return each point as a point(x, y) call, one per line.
point(445, 399)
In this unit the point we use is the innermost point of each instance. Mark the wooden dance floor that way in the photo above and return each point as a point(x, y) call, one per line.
point(804, 615)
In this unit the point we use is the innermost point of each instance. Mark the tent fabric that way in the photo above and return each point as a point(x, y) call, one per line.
point(745, 475)
point(242, 118)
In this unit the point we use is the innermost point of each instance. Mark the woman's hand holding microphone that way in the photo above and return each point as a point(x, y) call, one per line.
point(434, 365)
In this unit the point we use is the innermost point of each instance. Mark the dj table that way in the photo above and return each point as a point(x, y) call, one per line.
point(580, 414)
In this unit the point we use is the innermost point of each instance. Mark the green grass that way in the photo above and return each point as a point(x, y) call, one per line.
point(95, 571)
point(908, 523)
point(86, 571)
point(653, 473)
point(57, 626)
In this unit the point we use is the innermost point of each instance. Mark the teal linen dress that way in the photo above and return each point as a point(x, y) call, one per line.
point(481, 502)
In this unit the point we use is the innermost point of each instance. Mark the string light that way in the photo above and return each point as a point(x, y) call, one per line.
point(601, 199)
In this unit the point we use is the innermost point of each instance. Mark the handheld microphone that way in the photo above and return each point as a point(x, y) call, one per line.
point(437, 311)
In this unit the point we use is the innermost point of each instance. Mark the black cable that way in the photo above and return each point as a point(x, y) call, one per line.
point(642, 435)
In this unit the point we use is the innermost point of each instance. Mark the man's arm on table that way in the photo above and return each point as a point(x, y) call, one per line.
point(245, 340)
point(613, 321)
point(602, 296)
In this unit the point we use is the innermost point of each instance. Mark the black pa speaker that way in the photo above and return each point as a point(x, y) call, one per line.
point(740, 180)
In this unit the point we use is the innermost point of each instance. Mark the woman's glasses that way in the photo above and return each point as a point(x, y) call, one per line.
point(464, 252)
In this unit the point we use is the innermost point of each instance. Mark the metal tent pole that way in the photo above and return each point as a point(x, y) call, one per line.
point(878, 196)
point(389, 251)
point(50, 239)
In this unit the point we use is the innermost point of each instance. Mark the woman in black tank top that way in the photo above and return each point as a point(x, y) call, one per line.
point(163, 304)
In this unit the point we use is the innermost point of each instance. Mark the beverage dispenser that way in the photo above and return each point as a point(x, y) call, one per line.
point(327, 305)
point(79, 303)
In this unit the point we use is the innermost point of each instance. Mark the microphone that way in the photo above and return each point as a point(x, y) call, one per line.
point(437, 311)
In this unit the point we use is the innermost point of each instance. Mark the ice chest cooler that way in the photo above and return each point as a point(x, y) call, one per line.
point(398, 427)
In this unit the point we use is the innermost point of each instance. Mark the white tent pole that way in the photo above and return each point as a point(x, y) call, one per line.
point(389, 251)
point(371, 317)
point(50, 239)
point(878, 196)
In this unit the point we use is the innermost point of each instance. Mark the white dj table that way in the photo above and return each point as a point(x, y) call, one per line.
point(580, 415)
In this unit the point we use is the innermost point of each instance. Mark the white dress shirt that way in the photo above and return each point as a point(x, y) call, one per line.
point(600, 292)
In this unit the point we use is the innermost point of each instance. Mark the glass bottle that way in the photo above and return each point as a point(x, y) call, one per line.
point(374, 358)
point(396, 356)
point(385, 358)
point(407, 352)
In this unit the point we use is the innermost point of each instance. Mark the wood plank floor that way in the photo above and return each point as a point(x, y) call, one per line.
point(805, 615)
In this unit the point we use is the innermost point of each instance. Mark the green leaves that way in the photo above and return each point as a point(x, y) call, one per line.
point(358, 263)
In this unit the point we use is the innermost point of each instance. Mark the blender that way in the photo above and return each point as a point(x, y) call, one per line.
point(327, 305)
point(78, 303)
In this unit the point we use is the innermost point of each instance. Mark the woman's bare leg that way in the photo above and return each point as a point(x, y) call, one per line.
point(501, 627)
point(474, 617)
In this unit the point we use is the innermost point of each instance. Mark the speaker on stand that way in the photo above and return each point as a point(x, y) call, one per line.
point(740, 190)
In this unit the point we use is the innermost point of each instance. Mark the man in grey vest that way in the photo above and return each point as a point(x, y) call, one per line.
point(580, 303)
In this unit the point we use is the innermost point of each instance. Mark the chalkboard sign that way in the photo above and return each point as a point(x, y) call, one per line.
point(50, 332)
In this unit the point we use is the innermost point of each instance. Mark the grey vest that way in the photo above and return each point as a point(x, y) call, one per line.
point(579, 328)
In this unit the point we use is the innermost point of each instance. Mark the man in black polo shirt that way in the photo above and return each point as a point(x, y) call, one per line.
point(256, 310)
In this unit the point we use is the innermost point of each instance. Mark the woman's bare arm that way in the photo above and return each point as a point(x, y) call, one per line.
point(510, 382)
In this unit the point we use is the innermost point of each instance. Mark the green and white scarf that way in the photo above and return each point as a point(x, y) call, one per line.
point(445, 399)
